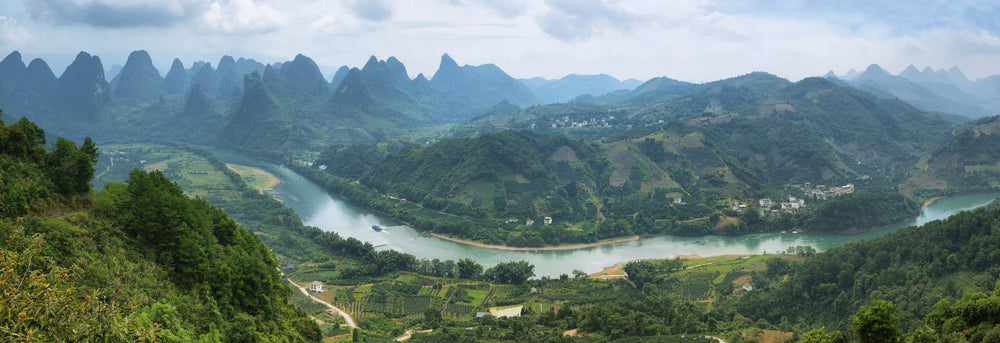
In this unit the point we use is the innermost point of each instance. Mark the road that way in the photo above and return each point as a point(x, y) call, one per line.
point(347, 317)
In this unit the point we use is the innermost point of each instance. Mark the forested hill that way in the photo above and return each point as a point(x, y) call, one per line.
point(922, 270)
point(133, 262)
point(777, 131)
point(682, 161)
point(969, 162)
point(516, 173)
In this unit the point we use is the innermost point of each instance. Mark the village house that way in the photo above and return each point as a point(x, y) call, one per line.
point(315, 287)
point(529, 222)
point(547, 220)
point(746, 287)
point(739, 206)
point(765, 203)
point(506, 311)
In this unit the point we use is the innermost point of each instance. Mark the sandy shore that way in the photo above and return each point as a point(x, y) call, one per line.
point(555, 248)
point(265, 180)
point(617, 270)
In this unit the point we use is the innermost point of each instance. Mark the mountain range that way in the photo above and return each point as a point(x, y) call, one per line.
point(944, 91)
point(573, 85)
point(243, 96)
point(290, 107)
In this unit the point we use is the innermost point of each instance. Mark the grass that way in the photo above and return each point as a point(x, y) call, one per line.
point(257, 178)
point(193, 173)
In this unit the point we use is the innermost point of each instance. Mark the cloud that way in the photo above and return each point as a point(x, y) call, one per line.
point(505, 8)
point(242, 16)
point(580, 20)
point(113, 14)
point(12, 34)
point(373, 10)
point(890, 18)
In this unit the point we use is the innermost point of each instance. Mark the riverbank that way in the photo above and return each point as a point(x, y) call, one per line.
point(618, 269)
point(258, 178)
point(548, 248)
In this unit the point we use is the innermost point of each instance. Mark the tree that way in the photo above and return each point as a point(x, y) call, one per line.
point(510, 272)
point(469, 269)
point(877, 323)
point(432, 318)
point(640, 272)
point(821, 336)
point(70, 168)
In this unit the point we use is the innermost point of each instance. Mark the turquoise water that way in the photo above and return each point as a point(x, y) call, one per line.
point(318, 208)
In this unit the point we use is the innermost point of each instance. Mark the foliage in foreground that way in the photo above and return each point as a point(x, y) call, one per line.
point(146, 260)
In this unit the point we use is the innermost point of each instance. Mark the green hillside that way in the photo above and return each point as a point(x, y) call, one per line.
point(681, 164)
point(966, 163)
point(148, 261)
point(929, 273)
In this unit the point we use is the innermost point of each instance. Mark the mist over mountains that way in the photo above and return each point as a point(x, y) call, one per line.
point(291, 106)
point(943, 91)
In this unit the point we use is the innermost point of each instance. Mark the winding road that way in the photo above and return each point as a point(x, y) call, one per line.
point(347, 317)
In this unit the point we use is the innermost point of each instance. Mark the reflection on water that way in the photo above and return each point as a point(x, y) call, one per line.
point(317, 208)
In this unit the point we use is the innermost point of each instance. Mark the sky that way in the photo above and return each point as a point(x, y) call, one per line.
point(696, 41)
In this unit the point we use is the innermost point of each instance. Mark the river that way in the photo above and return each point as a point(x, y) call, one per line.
point(318, 208)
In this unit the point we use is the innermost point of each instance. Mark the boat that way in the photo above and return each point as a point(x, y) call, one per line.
point(376, 228)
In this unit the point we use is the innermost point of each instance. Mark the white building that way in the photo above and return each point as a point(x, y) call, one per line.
point(315, 287)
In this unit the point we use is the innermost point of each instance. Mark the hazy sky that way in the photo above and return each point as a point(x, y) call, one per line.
point(688, 40)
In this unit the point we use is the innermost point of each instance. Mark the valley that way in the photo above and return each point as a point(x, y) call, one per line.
point(490, 200)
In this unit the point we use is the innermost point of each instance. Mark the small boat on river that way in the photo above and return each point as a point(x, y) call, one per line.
point(376, 228)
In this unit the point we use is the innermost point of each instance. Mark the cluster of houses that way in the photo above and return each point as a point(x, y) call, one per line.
point(311, 163)
point(819, 192)
point(766, 206)
point(565, 122)
point(822, 192)
point(122, 155)
point(530, 222)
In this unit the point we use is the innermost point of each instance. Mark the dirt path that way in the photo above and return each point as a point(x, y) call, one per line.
point(555, 248)
point(618, 270)
point(347, 317)
point(409, 334)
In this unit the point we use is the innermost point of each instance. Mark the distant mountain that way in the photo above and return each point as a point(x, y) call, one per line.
point(573, 85)
point(225, 81)
point(32, 94)
point(467, 90)
point(113, 72)
point(301, 78)
point(138, 82)
point(11, 69)
point(82, 86)
point(229, 78)
point(257, 121)
point(660, 85)
point(339, 76)
point(176, 81)
point(535, 82)
point(937, 91)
